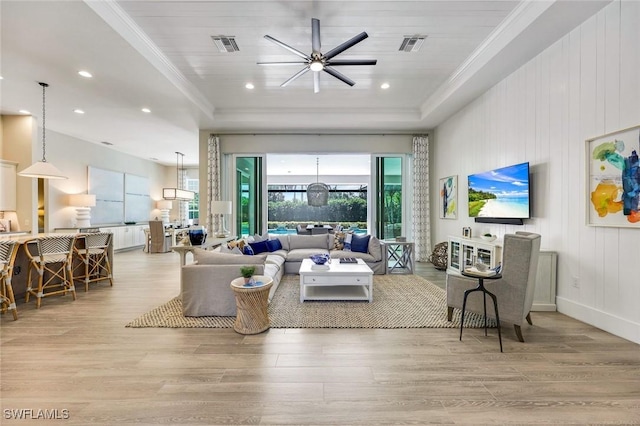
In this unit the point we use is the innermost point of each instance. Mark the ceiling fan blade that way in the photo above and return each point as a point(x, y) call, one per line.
point(316, 82)
point(344, 46)
point(337, 62)
point(296, 75)
point(289, 48)
point(315, 35)
point(339, 76)
point(270, 64)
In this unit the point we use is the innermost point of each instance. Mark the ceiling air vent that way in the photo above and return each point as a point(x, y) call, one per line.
point(225, 43)
point(412, 43)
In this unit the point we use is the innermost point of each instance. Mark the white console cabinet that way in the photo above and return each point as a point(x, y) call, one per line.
point(463, 252)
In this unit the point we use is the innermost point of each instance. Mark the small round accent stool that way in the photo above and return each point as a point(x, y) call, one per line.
point(251, 304)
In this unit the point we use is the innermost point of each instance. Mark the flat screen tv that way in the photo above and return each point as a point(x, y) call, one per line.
point(500, 195)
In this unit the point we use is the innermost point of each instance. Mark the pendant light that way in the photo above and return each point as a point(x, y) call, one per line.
point(178, 193)
point(42, 169)
point(318, 193)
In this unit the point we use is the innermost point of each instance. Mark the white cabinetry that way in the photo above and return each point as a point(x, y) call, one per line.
point(464, 252)
point(7, 185)
point(126, 236)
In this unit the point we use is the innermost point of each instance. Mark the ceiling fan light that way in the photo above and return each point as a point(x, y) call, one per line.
point(316, 66)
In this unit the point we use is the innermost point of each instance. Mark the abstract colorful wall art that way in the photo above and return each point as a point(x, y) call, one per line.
point(449, 197)
point(614, 179)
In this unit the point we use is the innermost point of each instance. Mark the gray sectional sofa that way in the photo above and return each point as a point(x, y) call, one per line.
point(206, 282)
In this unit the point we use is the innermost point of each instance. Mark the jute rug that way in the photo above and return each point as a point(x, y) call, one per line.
point(399, 301)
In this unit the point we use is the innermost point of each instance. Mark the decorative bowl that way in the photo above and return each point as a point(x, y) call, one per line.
point(319, 259)
point(488, 237)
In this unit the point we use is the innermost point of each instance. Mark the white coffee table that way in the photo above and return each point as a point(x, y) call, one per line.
point(342, 281)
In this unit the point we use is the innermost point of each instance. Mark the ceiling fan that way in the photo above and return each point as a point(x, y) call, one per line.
point(317, 61)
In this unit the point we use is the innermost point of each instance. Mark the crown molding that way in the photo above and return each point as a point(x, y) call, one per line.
point(121, 22)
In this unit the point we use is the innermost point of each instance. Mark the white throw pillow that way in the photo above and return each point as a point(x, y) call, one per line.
point(225, 249)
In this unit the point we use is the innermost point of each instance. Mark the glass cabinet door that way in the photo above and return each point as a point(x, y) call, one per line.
point(468, 256)
point(454, 251)
point(484, 256)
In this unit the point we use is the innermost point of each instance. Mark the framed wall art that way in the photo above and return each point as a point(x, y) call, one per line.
point(613, 173)
point(449, 197)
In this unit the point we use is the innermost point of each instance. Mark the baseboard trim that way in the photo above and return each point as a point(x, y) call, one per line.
point(603, 320)
point(543, 307)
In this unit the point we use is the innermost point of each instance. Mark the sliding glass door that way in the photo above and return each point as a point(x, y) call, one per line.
point(249, 190)
point(389, 197)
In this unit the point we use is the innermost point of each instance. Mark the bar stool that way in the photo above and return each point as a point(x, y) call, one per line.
point(50, 257)
point(8, 251)
point(92, 250)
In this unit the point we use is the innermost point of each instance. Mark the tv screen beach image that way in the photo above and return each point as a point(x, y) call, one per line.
point(500, 193)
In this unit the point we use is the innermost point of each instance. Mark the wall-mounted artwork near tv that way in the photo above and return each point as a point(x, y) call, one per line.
point(500, 195)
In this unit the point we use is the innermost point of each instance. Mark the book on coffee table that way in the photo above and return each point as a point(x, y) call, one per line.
point(348, 260)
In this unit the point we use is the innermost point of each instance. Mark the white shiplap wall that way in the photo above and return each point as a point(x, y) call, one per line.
point(586, 84)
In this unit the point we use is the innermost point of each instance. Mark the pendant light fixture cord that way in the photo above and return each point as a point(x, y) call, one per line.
point(44, 146)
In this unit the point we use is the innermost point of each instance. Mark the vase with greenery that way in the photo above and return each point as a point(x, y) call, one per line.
point(247, 272)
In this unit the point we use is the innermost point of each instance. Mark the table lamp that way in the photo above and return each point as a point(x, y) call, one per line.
point(164, 206)
point(83, 204)
point(221, 208)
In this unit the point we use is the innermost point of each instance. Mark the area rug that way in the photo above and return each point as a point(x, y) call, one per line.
point(399, 301)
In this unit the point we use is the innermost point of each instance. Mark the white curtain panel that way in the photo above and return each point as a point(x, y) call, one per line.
point(213, 180)
point(183, 206)
point(420, 207)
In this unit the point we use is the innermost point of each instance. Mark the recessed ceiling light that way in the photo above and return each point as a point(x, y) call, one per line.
point(1, 77)
point(78, 111)
point(85, 74)
point(249, 86)
point(24, 111)
point(153, 159)
point(147, 110)
point(384, 86)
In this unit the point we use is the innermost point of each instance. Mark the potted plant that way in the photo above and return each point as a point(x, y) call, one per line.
point(247, 272)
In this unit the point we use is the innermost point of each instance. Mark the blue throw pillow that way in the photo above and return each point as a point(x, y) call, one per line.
point(248, 250)
point(259, 247)
point(360, 243)
point(273, 245)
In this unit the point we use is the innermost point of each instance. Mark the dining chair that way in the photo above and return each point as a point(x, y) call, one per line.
point(50, 258)
point(92, 250)
point(8, 252)
point(160, 240)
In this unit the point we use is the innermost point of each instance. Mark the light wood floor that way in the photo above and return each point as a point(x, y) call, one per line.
point(78, 356)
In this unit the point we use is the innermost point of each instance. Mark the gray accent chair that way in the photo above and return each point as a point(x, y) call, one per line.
point(514, 290)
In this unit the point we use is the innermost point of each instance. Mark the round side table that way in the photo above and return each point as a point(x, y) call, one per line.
point(251, 304)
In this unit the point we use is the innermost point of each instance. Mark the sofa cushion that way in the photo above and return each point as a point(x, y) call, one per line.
point(273, 245)
point(271, 270)
point(284, 240)
point(338, 241)
point(375, 248)
point(204, 257)
point(259, 247)
point(308, 241)
point(274, 259)
point(298, 255)
point(248, 250)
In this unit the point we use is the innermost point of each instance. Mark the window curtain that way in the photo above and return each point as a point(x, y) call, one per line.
point(213, 181)
point(420, 207)
point(183, 206)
